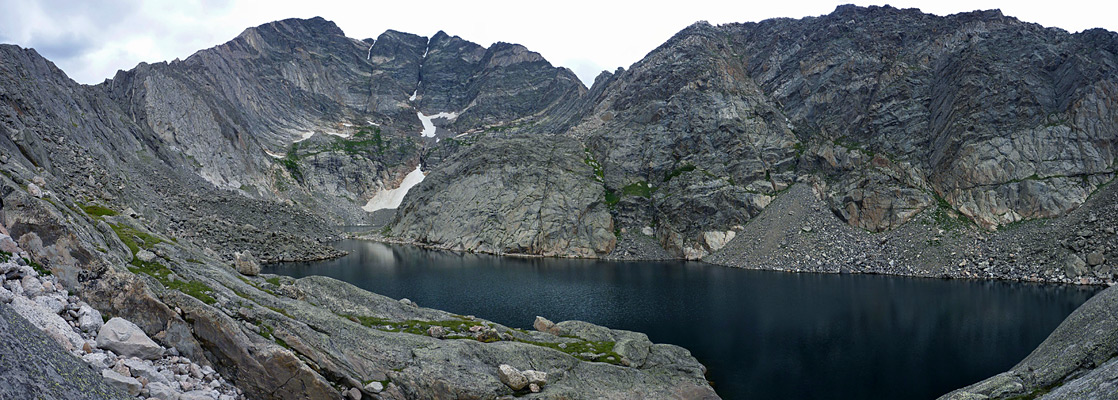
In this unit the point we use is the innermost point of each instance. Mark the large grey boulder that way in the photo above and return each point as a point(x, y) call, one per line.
point(145, 256)
point(89, 319)
point(246, 264)
point(126, 339)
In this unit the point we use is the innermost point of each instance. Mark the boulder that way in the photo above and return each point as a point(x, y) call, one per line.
point(50, 323)
point(124, 383)
point(89, 319)
point(544, 325)
point(144, 369)
point(34, 190)
point(31, 286)
point(7, 244)
point(437, 332)
point(374, 387)
point(353, 394)
point(97, 360)
point(246, 264)
point(51, 303)
point(126, 339)
point(145, 256)
point(1095, 258)
point(535, 377)
point(1074, 266)
point(161, 391)
point(511, 377)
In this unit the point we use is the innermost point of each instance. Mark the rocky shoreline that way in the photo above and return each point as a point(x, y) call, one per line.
point(797, 232)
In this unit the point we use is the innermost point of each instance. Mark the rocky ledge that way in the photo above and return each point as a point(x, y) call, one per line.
point(122, 358)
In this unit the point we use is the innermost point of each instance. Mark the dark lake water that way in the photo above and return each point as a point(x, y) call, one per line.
point(761, 334)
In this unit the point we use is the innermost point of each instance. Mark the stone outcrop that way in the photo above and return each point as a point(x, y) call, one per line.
point(494, 197)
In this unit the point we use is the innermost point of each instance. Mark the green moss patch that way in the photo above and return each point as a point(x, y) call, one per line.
point(129, 236)
point(161, 273)
point(414, 326)
point(640, 188)
point(581, 349)
point(584, 350)
point(95, 210)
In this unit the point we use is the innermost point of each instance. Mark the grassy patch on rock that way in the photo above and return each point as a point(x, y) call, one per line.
point(639, 188)
point(130, 235)
point(96, 210)
point(585, 350)
point(160, 272)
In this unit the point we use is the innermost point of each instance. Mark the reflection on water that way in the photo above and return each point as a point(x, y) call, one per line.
point(762, 335)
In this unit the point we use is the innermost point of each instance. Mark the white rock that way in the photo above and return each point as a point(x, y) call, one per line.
point(536, 377)
point(196, 395)
point(89, 319)
point(375, 387)
point(6, 295)
point(31, 286)
point(125, 383)
point(511, 377)
point(126, 339)
point(34, 190)
point(717, 240)
point(353, 394)
point(15, 287)
point(50, 303)
point(145, 256)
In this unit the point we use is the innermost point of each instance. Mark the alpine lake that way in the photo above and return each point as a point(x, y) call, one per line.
point(761, 334)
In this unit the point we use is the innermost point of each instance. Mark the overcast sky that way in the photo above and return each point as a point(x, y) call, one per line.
point(91, 40)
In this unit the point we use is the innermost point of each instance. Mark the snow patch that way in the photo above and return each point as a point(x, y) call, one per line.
point(413, 94)
point(341, 135)
point(370, 56)
point(428, 126)
point(305, 137)
point(273, 155)
point(391, 199)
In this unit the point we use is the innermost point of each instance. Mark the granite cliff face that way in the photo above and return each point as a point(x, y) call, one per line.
point(892, 112)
